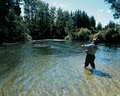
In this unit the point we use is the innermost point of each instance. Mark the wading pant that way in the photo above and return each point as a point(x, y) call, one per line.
point(90, 60)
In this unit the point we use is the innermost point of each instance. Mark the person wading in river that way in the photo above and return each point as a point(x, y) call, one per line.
point(91, 50)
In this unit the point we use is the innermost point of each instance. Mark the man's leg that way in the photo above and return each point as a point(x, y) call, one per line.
point(92, 62)
point(87, 60)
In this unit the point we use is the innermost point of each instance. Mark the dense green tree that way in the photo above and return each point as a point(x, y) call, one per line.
point(111, 24)
point(69, 26)
point(43, 22)
point(68, 22)
point(52, 18)
point(81, 19)
point(60, 25)
point(110, 35)
point(27, 9)
point(92, 22)
point(85, 20)
point(9, 13)
point(4, 9)
point(37, 15)
point(77, 19)
point(99, 26)
point(115, 6)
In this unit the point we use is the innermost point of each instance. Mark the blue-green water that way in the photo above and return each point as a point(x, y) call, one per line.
point(54, 68)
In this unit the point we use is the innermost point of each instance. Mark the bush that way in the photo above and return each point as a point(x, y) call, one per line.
point(110, 35)
point(83, 34)
point(100, 36)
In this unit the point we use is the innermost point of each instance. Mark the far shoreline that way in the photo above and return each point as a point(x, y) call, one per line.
point(50, 40)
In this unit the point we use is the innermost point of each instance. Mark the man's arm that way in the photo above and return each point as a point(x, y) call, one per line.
point(82, 46)
point(86, 46)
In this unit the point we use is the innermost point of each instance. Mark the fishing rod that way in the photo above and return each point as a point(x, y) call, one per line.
point(42, 32)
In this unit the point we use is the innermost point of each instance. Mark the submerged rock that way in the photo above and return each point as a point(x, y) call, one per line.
point(40, 45)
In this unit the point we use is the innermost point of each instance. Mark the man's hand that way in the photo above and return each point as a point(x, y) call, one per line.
point(82, 46)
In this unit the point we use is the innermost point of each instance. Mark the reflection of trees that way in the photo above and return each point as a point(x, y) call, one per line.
point(9, 59)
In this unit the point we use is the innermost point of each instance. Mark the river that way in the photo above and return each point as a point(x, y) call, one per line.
point(54, 68)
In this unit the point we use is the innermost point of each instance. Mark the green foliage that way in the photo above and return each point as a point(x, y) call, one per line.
point(99, 26)
point(115, 6)
point(83, 34)
point(81, 19)
point(52, 32)
point(20, 32)
point(43, 22)
point(38, 18)
point(11, 27)
point(110, 35)
point(17, 32)
point(69, 26)
point(4, 11)
point(113, 33)
point(100, 36)
point(111, 24)
point(92, 22)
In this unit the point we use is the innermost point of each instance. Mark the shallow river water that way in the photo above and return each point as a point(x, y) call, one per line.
point(54, 68)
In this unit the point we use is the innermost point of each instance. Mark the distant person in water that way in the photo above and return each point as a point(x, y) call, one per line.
point(91, 50)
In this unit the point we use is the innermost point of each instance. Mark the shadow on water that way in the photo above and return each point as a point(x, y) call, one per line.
point(101, 74)
point(98, 73)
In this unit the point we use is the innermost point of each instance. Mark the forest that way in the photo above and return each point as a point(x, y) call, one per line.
point(40, 21)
